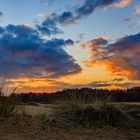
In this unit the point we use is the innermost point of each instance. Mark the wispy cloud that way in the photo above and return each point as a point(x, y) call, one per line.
point(123, 3)
point(47, 2)
point(44, 15)
point(127, 19)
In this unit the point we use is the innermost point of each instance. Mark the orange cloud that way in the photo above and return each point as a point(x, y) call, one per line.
point(137, 9)
point(110, 65)
point(34, 84)
point(93, 45)
point(123, 3)
point(121, 58)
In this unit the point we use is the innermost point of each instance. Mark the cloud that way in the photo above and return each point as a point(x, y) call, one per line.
point(102, 84)
point(51, 23)
point(123, 3)
point(47, 2)
point(82, 36)
point(52, 85)
point(120, 58)
point(49, 26)
point(118, 79)
point(95, 46)
point(1, 13)
point(137, 9)
point(24, 54)
point(95, 84)
point(96, 42)
point(66, 18)
point(43, 15)
point(90, 6)
point(127, 19)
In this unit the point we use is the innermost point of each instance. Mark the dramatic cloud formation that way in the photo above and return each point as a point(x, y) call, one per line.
point(123, 3)
point(28, 54)
point(24, 54)
point(121, 57)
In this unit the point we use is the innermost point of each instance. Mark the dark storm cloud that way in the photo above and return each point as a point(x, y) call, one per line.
point(24, 54)
point(124, 54)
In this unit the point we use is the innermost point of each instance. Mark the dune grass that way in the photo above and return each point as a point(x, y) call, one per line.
point(8, 102)
point(86, 111)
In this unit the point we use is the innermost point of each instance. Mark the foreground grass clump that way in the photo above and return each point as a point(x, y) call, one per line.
point(82, 111)
point(8, 103)
point(8, 106)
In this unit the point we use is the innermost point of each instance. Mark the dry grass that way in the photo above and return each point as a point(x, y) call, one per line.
point(72, 119)
point(82, 111)
point(8, 103)
point(37, 128)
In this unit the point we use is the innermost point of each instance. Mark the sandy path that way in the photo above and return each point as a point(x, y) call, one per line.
point(42, 109)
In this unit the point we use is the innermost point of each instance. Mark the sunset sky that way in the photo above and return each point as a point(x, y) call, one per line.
point(49, 45)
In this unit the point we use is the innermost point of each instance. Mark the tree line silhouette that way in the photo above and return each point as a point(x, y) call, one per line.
point(116, 95)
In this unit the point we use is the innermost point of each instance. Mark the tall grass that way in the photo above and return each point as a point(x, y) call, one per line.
point(84, 110)
point(8, 102)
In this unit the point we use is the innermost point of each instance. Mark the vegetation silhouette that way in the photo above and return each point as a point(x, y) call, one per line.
point(116, 95)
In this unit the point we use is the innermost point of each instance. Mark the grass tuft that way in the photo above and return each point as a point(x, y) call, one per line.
point(8, 103)
point(81, 110)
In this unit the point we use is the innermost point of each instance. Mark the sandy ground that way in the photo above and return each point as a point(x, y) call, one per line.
point(41, 109)
point(36, 127)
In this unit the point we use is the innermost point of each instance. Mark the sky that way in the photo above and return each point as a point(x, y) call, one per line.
point(50, 45)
